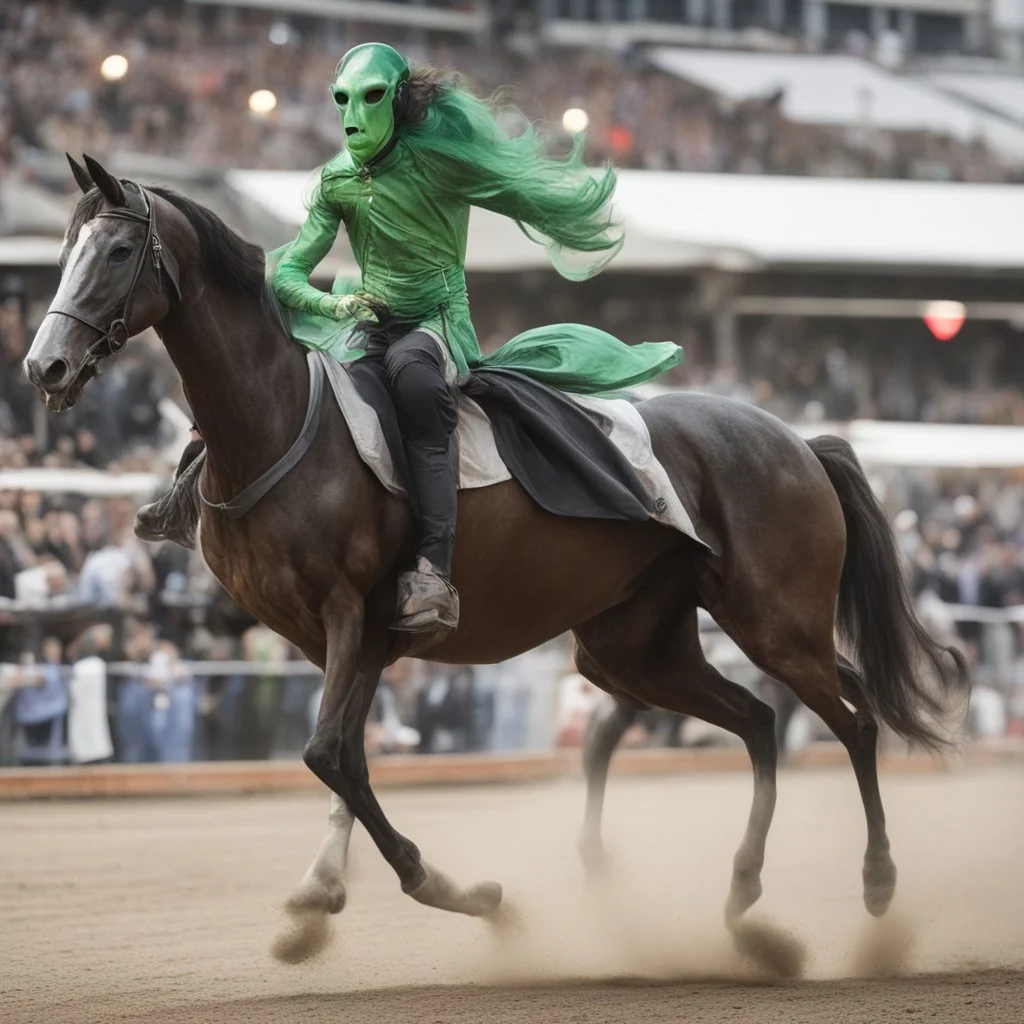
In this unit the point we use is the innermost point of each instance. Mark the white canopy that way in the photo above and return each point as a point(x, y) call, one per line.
point(732, 221)
point(29, 251)
point(676, 220)
point(782, 220)
point(839, 90)
point(915, 445)
point(929, 445)
point(79, 481)
point(1002, 93)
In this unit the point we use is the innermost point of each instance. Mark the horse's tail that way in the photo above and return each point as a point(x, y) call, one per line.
point(876, 616)
point(175, 516)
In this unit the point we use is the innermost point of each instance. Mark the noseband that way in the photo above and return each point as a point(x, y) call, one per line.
point(115, 336)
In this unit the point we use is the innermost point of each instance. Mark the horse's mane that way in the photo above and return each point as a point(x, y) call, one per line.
point(227, 259)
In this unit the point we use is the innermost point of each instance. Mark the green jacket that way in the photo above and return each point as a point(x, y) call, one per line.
point(407, 218)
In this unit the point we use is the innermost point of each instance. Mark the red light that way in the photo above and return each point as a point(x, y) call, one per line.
point(944, 319)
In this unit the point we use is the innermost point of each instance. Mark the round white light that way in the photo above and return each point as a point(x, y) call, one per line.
point(280, 33)
point(575, 120)
point(114, 67)
point(262, 101)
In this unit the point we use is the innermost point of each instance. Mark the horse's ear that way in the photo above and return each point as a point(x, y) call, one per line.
point(106, 182)
point(80, 173)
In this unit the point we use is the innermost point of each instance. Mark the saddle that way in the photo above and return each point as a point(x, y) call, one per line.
point(574, 455)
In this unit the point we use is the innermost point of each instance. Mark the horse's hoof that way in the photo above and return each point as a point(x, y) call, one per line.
point(316, 895)
point(439, 891)
point(745, 892)
point(879, 885)
point(483, 899)
point(594, 857)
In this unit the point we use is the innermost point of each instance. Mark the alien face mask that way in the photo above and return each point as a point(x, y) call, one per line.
point(364, 92)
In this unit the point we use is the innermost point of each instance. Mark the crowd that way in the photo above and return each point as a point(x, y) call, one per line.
point(191, 70)
point(183, 664)
point(870, 369)
point(110, 648)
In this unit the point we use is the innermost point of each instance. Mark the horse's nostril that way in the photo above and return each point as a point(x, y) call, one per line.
point(54, 374)
point(351, 131)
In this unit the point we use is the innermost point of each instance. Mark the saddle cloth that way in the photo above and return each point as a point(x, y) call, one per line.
point(480, 460)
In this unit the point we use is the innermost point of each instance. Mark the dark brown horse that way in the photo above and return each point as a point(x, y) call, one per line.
point(796, 534)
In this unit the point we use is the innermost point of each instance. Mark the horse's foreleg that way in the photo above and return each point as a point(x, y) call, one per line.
point(323, 886)
point(336, 755)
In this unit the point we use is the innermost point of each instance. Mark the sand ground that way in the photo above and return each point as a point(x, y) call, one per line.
point(165, 910)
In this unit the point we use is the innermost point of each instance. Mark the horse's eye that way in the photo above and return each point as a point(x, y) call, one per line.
point(120, 254)
point(341, 98)
point(375, 96)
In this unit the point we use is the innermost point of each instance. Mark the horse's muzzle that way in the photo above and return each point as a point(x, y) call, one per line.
point(51, 376)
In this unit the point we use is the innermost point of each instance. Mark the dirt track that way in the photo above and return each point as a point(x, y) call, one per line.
point(165, 910)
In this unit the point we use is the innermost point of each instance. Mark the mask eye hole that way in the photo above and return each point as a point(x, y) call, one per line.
point(341, 98)
point(375, 96)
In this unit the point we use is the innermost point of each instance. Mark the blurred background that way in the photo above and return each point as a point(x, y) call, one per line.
point(823, 204)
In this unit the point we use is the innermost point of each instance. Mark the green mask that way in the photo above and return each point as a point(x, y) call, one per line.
point(364, 88)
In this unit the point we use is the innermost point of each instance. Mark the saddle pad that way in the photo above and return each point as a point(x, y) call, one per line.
point(481, 464)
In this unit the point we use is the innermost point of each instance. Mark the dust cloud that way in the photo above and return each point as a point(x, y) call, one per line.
point(114, 908)
point(656, 912)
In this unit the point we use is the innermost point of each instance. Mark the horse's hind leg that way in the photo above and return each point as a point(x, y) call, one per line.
point(669, 670)
point(608, 723)
point(802, 655)
point(879, 868)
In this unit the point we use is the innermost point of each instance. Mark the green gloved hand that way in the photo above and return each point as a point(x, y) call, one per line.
point(348, 307)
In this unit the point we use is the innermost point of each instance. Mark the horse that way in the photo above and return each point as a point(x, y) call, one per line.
point(796, 544)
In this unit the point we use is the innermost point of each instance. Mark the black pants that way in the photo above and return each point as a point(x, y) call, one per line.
point(427, 416)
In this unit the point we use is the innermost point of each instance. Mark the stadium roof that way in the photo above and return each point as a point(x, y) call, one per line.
point(814, 221)
point(27, 209)
point(29, 251)
point(743, 222)
point(929, 445)
point(470, 17)
point(840, 90)
point(677, 221)
point(1003, 94)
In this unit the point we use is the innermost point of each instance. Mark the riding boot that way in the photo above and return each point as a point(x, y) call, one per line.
point(171, 517)
point(427, 601)
point(427, 415)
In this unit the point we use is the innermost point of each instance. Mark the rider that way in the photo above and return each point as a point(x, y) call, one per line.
point(420, 151)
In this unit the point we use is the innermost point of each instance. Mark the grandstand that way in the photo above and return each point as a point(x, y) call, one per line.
point(801, 181)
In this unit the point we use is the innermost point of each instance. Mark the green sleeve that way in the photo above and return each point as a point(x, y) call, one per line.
point(291, 278)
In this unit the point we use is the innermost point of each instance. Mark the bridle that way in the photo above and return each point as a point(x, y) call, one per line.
point(115, 336)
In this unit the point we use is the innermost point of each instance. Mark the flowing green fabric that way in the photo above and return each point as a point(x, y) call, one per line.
point(407, 216)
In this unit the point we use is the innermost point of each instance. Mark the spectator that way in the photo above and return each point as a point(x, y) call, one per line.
point(88, 726)
point(46, 580)
point(41, 704)
point(174, 704)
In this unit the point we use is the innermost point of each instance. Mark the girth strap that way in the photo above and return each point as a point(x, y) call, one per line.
point(244, 501)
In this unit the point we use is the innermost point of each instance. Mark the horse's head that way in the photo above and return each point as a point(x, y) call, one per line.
point(119, 275)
